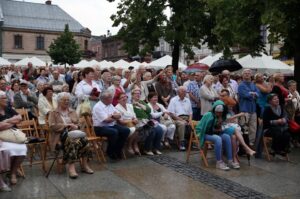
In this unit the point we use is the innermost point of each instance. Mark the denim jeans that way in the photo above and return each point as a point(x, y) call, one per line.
point(154, 138)
point(220, 141)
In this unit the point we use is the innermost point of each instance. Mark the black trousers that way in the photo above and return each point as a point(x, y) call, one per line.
point(116, 135)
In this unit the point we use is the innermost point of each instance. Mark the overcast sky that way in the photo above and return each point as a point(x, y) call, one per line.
point(93, 14)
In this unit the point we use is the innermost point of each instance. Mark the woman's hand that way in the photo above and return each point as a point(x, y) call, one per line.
point(72, 127)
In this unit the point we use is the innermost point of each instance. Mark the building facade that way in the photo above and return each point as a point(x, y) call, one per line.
point(112, 49)
point(27, 29)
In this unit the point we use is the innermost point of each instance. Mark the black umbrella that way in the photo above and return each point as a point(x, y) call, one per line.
point(225, 64)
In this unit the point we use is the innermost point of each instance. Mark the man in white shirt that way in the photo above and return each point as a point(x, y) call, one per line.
point(181, 111)
point(105, 116)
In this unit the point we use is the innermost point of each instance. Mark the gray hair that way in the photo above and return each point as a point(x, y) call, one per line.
point(105, 94)
point(61, 95)
point(146, 73)
point(116, 77)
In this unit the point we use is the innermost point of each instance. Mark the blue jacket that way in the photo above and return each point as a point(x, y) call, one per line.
point(247, 102)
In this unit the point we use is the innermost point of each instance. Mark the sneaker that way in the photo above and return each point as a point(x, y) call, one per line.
point(182, 146)
point(5, 189)
point(222, 166)
point(157, 152)
point(149, 153)
point(234, 165)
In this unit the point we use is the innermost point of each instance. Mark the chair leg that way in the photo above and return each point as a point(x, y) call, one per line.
point(266, 149)
point(203, 157)
point(189, 149)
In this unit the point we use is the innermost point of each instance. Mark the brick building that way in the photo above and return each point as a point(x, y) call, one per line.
point(112, 49)
point(27, 29)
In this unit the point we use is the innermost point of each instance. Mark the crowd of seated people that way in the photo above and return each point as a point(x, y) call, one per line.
point(143, 111)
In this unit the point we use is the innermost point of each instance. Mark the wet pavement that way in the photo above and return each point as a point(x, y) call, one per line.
point(166, 176)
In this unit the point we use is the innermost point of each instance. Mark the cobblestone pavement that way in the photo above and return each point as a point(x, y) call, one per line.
point(226, 186)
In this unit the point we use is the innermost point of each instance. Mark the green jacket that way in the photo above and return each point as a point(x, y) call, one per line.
point(208, 121)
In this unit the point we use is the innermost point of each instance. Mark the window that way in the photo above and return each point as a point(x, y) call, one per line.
point(18, 41)
point(40, 42)
point(85, 44)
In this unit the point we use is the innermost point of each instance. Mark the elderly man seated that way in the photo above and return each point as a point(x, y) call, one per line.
point(105, 116)
point(181, 111)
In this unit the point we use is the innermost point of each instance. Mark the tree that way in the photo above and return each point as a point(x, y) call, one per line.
point(64, 49)
point(143, 22)
point(239, 22)
point(283, 22)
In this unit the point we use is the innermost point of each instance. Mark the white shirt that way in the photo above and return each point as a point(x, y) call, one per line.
point(234, 85)
point(180, 107)
point(83, 89)
point(127, 113)
point(102, 112)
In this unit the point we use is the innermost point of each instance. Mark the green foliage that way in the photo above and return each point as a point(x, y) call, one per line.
point(183, 24)
point(64, 49)
point(237, 24)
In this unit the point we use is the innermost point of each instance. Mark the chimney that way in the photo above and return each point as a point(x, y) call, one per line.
point(48, 2)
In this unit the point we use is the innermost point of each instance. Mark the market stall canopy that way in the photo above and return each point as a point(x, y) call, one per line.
point(265, 64)
point(135, 64)
point(34, 60)
point(4, 62)
point(82, 64)
point(209, 60)
point(163, 62)
point(121, 64)
point(105, 64)
point(94, 63)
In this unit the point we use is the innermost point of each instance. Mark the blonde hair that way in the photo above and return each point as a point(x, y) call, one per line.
point(207, 77)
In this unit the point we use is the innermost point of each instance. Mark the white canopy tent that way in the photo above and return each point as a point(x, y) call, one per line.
point(22, 62)
point(34, 60)
point(4, 62)
point(94, 63)
point(121, 64)
point(37, 62)
point(163, 62)
point(82, 64)
point(209, 60)
point(135, 64)
point(104, 64)
point(265, 64)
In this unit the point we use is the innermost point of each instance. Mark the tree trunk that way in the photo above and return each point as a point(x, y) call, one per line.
point(175, 55)
point(297, 67)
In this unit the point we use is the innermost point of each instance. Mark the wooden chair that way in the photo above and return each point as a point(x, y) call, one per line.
point(194, 139)
point(23, 112)
point(96, 141)
point(266, 142)
point(29, 127)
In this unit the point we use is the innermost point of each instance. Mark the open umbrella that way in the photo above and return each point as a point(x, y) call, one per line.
point(225, 64)
point(196, 67)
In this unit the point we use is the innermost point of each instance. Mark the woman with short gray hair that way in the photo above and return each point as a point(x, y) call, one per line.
point(116, 89)
point(64, 119)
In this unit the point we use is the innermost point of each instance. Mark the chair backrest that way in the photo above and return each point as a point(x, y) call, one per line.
point(89, 126)
point(23, 112)
point(29, 127)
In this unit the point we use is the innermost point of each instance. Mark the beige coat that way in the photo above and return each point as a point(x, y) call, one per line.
point(57, 125)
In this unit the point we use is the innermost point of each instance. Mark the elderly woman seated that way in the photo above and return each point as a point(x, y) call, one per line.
point(17, 152)
point(160, 114)
point(143, 114)
point(210, 128)
point(128, 118)
point(276, 126)
point(75, 144)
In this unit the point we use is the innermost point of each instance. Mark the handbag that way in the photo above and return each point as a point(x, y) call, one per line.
point(13, 135)
point(85, 108)
point(294, 127)
point(166, 120)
